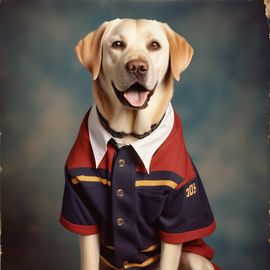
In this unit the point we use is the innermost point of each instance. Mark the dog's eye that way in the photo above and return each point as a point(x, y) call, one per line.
point(118, 44)
point(154, 45)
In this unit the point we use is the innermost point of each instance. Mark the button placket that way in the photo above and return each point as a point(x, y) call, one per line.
point(123, 188)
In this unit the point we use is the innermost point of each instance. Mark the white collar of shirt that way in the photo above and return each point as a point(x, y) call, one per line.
point(145, 148)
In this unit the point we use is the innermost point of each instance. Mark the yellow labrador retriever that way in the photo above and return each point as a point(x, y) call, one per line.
point(133, 64)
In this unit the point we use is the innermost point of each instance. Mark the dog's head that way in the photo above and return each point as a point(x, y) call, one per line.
point(134, 55)
point(133, 63)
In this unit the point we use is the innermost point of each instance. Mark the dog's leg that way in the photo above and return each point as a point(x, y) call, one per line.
point(191, 261)
point(89, 246)
point(170, 256)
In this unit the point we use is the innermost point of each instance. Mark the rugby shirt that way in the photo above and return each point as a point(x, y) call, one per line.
point(134, 207)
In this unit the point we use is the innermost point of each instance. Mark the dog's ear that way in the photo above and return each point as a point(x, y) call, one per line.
point(89, 50)
point(180, 52)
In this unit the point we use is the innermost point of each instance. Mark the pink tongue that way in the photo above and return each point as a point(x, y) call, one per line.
point(136, 98)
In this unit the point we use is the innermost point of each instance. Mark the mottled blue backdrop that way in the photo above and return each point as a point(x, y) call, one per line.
point(222, 98)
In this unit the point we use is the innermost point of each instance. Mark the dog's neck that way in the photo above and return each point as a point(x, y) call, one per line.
point(126, 123)
point(121, 134)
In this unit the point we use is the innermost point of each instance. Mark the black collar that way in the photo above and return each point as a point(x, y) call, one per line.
point(122, 134)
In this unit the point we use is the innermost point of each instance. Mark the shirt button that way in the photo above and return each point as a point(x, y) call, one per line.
point(121, 163)
point(120, 221)
point(120, 192)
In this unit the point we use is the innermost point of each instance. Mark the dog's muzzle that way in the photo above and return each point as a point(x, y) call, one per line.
point(135, 96)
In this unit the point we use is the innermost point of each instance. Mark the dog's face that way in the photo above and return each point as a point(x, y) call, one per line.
point(133, 63)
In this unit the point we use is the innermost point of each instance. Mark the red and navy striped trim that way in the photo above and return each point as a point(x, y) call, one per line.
point(178, 238)
point(79, 229)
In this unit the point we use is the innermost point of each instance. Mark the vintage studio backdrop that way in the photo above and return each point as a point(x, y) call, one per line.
point(222, 98)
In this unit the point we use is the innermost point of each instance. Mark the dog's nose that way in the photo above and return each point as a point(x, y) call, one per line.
point(137, 67)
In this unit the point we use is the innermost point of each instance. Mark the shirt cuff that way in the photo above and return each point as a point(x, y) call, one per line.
point(178, 238)
point(78, 229)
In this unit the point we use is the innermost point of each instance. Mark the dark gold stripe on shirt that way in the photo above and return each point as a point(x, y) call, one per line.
point(144, 264)
point(139, 183)
point(129, 265)
point(151, 248)
point(155, 183)
point(92, 179)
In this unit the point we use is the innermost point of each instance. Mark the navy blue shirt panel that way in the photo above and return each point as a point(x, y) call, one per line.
point(76, 204)
point(187, 209)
